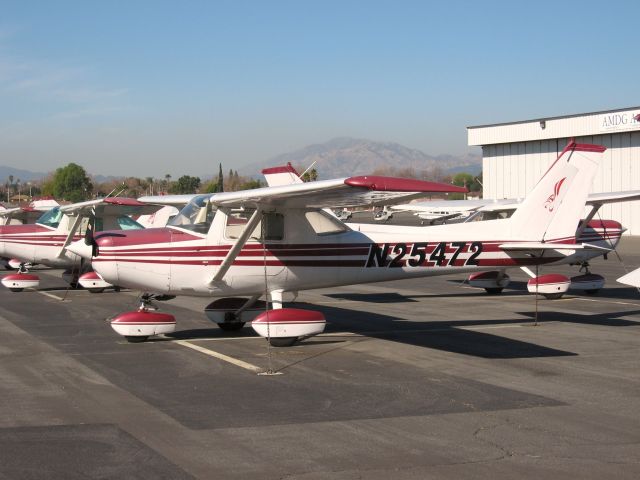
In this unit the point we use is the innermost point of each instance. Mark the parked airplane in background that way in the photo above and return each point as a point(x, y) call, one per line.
point(28, 214)
point(440, 211)
point(23, 216)
point(272, 240)
point(46, 241)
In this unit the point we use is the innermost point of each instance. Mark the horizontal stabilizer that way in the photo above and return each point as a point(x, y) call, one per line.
point(631, 278)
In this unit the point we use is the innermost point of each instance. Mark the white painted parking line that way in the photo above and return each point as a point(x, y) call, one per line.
point(220, 356)
point(51, 295)
point(606, 301)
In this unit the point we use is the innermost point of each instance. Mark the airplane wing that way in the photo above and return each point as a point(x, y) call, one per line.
point(613, 197)
point(490, 205)
point(110, 206)
point(172, 200)
point(338, 193)
point(9, 211)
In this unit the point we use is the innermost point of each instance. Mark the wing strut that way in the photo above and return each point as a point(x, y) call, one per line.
point(235, 249)
point(72, 232)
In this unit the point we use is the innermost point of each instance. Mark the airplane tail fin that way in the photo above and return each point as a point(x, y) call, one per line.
point(285, 175)
point(552, 210)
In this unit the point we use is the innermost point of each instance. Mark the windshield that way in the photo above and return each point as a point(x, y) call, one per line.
point(128, 223)
point(51, 218)
point(197, 215)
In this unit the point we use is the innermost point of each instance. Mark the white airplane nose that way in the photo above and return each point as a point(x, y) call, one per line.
point(81, 249)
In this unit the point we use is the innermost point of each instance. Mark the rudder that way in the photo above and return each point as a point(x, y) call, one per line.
point(552, 210)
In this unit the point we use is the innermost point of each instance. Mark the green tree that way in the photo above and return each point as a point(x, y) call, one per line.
point(464, 179)
point(310, 175)
point(251, 184)
point(185, 184)
point(220, 180)
point(71, 183)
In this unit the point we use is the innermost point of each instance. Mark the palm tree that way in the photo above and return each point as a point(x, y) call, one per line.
point(149, 181)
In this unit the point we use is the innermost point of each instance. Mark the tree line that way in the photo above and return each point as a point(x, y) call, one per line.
point(72, 183)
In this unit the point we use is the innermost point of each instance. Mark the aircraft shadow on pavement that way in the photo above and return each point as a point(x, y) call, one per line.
point(609, 319)
point(438, 334)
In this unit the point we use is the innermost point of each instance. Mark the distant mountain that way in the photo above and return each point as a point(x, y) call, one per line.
point(343, 157)
point(23, 175)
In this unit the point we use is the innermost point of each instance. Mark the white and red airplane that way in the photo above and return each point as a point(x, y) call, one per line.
point(278, 239)
point(45, 242)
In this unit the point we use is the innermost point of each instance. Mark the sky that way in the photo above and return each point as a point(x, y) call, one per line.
point(148, 88)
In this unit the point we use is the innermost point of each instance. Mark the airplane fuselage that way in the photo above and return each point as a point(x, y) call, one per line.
point(37, 244)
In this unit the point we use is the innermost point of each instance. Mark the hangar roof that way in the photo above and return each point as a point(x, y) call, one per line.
point(545, 128)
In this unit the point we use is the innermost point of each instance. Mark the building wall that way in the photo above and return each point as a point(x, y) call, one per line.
point(510, 170)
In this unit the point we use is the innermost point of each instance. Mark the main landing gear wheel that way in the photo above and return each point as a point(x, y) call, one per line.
point(231, 326)
point(282, 341)
point(494, 290)
point(552, 296)
point(136, 339)
point(95, 290)
point(593, 291)
point(16, 289)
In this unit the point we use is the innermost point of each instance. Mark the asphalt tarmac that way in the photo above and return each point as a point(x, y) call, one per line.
point(417, 379)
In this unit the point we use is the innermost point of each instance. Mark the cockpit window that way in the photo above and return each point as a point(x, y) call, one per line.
point(271, 227)
point(128, 223)
point(197, 215)
point(51, 218)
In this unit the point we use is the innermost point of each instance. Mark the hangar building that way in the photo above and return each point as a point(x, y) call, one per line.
point(516, 154)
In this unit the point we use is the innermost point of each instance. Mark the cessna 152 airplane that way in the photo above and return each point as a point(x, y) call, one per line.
point(46, 241)
point(278, 239)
